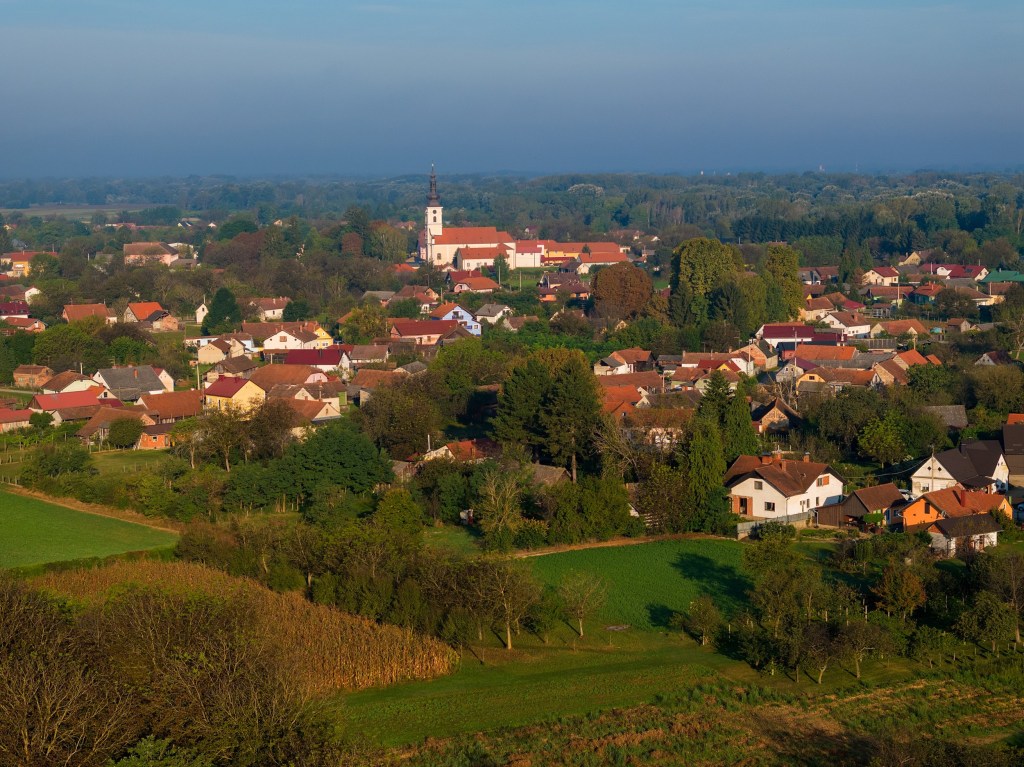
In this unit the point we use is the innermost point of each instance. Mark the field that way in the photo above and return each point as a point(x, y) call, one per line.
point(36, 532)
point(627, 657)
point(106, 462)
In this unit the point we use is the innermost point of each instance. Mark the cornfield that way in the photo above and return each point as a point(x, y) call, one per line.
point(325, 649)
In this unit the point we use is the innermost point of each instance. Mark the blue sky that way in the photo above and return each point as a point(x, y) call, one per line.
point(248, 87)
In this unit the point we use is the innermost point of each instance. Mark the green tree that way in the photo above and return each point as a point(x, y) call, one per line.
point(899, 590)
point(698, 267)
point(705, 499)
point(782, 264)
point(224, 315)
point(400, 419)
point(704, 619)
point(881, 439)
point(297, 309)
point(68, 347)
point(988, 620)
point(738, 435)
point(125, 432)
point(582, 594)
point(571, 413)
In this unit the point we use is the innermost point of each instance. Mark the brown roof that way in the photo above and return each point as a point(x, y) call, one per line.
point(478, 283)
point(899, 327)
point(107, 415)
point(371, 379)
point(471, 235)
point(787, 476)
point(238, 364)
point(270, 304)
point(261, 331)
point(306, 410)
point(633, 355)
point(957, 502)
point(649, 380)
point(819, 352)
point(269, 376)
point(878, 497)
point(174, 404)
point(148, 249)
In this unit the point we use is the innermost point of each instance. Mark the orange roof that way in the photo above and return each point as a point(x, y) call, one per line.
point(269, 376)
point(174, 404)
point(443, 309)
point(1014, 418)
point(479, 283)
point(78, 312)
point(816, 352)
point(144, 309)
point(471, 235)
point(603, 257)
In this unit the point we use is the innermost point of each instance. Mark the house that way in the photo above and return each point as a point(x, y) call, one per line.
point(777, 332)
point(815, 308)
point(331, 392)
point(472, 258)
point(585, 262)
point(309, 412)
point(421, 332)
point(367, 381)
point(850, 324)
point(130, 383)
point(897, 328)
point(31, 376)
point(287, 340)
point(926, 293)
point(144, 311)
point(172, 406)
point(226, 393)
point(368, 354)
point(977, 465)
point(773, 487)
point(12, 419)
point(774, 417)
point(79, 312)
point(269, 376)
point(24, 324)
point(476, 285)
point(21, 263)
point(492, 313)
point(878, 501)
point(450, 311)
point(957, 518)
point(381, 297)
point(270, 309)
point(201, 311)
point(515, 324)
point(624, 361)
point(881, 275)
point(994, 358)
point(69, 380)
point(13, 310)
point(155, 437)
point(141, 253)
point(1013, 449)
point(232, 367)
point(334, 357)
point(97, 428)
point(971, 533)
point(954, 418)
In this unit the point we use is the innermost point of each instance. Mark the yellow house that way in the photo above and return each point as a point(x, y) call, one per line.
point(239, 393)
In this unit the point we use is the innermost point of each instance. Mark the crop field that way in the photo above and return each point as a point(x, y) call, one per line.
point(649, 581)
point(34, 532)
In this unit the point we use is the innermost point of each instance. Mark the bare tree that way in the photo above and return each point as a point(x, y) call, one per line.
point(510, 590)
point(582, 594)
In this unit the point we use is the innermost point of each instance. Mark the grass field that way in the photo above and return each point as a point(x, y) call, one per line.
point(106, 462)
point(650, 581)
point(626, 658)
point(33, 532)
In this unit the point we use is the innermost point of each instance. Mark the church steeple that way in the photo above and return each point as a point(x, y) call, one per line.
point(433, 201)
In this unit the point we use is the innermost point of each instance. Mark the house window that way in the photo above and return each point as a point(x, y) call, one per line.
point(769, 506)
point(758, 485)
point(822, 481)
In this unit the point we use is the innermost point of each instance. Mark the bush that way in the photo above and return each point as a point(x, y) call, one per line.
point(531, 534)
point(125, 432)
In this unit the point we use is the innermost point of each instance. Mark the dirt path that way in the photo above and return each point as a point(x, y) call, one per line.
point(93, 508)
point(613, 542)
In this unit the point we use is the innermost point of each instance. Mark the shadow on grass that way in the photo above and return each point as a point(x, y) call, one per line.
point(659, 615)
point(726, 585)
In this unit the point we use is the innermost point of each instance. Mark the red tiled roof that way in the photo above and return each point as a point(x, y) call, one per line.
point(423, 327)
point(225, 387)
point(471, 235)
point(478, 283)
point(78, 312)
point(68, 399)
point(145, 309)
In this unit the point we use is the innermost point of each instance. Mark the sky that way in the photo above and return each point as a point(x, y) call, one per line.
point(254, 87)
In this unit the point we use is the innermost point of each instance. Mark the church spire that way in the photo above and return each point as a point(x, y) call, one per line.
point(433, 201)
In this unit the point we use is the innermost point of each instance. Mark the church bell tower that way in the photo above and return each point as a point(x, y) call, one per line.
point(433, 224)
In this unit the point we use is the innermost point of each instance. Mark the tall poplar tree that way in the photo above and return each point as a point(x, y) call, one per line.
point(705, 498)
point(570, 414)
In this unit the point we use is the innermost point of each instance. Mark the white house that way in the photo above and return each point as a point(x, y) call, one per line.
point(455, 312)
point(885, 276)
point(773, 487)
point(851, 324)
point(201, 311)
point(977, 465)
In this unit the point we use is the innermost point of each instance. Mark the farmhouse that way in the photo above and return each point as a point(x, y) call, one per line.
point(977, 465)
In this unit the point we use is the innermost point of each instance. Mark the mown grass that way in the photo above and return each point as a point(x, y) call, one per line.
point(647, 582)
point(459, 540)
point(34, 532)
point(128, 461)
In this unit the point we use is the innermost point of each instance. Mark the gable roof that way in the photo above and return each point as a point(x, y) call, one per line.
point(225, 387)
point(787, 476)
point(129, 382)
point(821, 352)
point(330, 356)
point(174, 404)
point(62, 380)
point(491, 310)
point(478, 283)
point(143, 310)
point(238, 364)
point(471, 235)
point(79, 312)
point(50, 402)
point(873, 499)
point(423, 327)
point(972, 463)
point(268, 376)
point(371, 379)
point(974, 524)
point(105, 416)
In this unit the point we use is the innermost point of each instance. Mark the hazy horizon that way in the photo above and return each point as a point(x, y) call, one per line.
point(118, 89)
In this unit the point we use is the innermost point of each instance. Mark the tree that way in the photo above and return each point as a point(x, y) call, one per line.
point(269, 429)
point(582, 594)
point(988, 621)
point(781, 265)
point(858, 638)
point(570, 413)
point(659, 499)
point(295, 310)
point(510, 590)
point(224, 431)
point(881, 439)
point(698, 266)
point(621, 291)
point(705, 498)
point(738, 435)
point(125, 432)
point(224, 315)
point(899, 590)
point(704, 619)
point(69, 347)
point(499, 510)
point(821, 645)
point(1003, 575)
point(400, 419)
point(364, 323)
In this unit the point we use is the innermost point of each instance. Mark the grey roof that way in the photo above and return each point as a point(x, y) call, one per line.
point(491, 310)
point(953, 416)
point(129, 383)
point(974, 524)
point(1013, 447)
point(238, 364)
point(972, 464)
point(380, 295)
point(414, 367)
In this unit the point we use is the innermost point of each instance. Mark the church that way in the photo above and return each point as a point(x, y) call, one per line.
point(467, 247)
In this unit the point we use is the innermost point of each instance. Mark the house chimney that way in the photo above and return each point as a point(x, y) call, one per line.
point(807, 457)
point(136, 371)
point(959, 492)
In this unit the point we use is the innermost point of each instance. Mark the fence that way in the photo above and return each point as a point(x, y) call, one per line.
point(746, 529)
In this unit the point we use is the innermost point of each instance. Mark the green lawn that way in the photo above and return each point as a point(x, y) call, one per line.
point(35, 532)
point(625, 659)
point(127, 461)
point(450, 538)
point(650, 581)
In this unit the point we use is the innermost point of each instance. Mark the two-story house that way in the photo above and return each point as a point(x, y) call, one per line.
point(774, 487)
point(977, 465)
